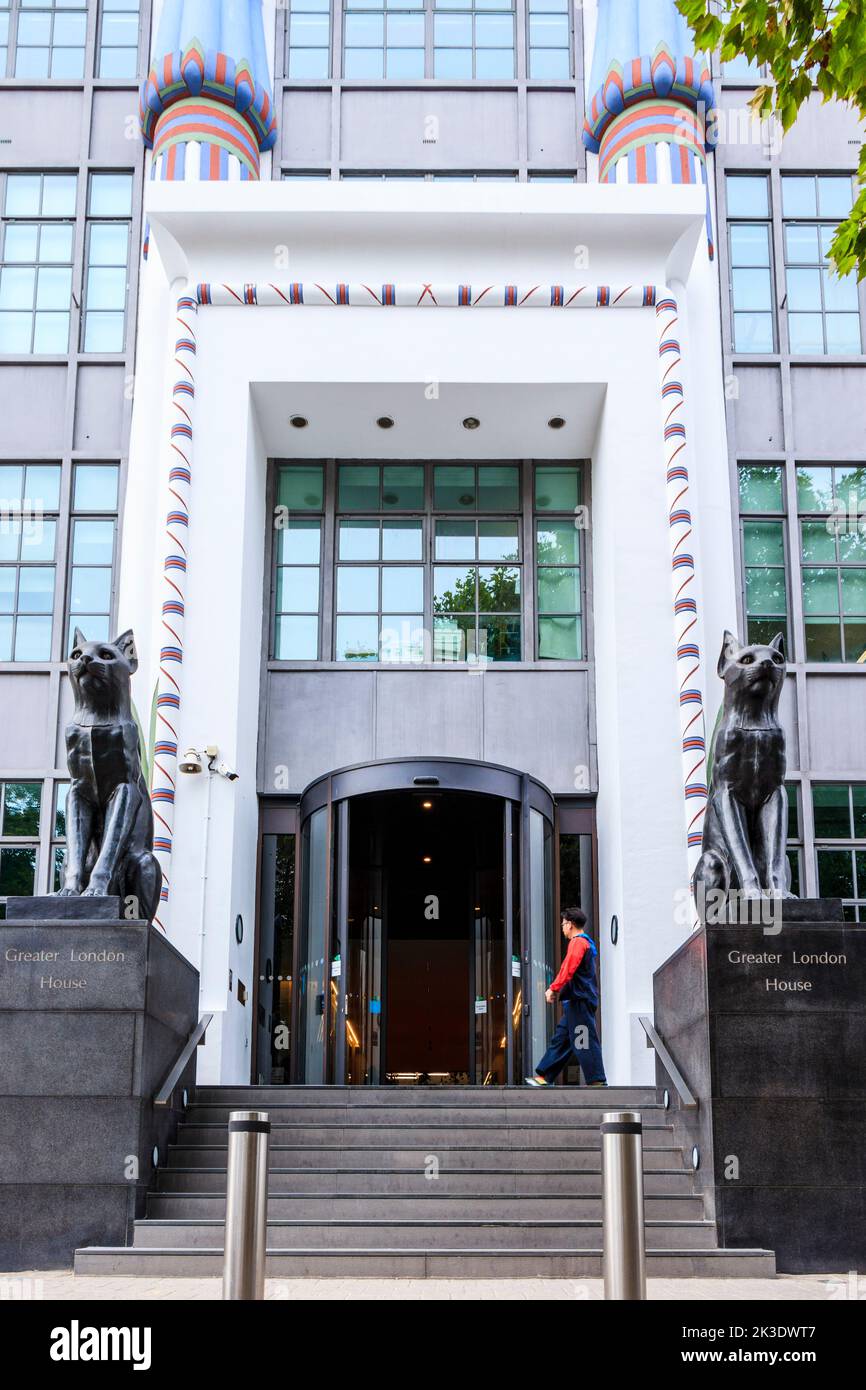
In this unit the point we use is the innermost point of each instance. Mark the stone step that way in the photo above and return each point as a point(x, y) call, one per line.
point(287, 1116)
point(452, 1157)
point(570, 1262)
point(432, 1205)
point(260, 1097)
point(539, 1135)
point(492, 1182)
point(455, 1234)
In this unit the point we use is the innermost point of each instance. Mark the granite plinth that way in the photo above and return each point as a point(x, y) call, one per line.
point(768, 1026)
point(737, 911)
point(54, 909)
point(92, 1016)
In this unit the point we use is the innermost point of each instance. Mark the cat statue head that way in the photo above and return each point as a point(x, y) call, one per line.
point(99, 673)
point(754, 673)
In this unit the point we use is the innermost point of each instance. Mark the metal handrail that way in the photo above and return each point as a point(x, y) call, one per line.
point(164, 1094)
point(687, 1100)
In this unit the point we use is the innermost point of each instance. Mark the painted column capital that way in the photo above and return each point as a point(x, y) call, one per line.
point(206, 107)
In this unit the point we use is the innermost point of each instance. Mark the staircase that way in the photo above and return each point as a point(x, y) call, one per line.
point(518, 1191)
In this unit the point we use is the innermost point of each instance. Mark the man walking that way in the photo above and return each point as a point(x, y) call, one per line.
point(577, 990)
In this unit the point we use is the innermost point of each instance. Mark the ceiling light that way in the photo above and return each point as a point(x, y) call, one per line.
point(385, 422)
point(427, 805)
point(555, 422)
point(471, 422)
point(427, 859)
point(299, 422)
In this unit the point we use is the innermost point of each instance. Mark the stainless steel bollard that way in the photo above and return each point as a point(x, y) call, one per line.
point(246, 1205)
point(622, 1206)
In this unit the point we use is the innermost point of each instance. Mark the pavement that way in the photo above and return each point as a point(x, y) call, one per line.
point(62, 1285)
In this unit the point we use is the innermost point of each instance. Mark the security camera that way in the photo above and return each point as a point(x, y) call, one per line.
point(228, 772)
point(191, 761)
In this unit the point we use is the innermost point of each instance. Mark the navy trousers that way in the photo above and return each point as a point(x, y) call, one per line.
point(563, 1045)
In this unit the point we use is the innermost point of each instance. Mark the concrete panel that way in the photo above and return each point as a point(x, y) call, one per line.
point(823, 137)
point(837, 731)
point(436, 713)
point(32, 402)
point(553, 119)
point(387, 130)
point(316, 721)
point(99, 408)
point(758, 410)
point(538, 722)
point(24, 727)
point(829, 411)
point(305, 129)
point(53, 138)
point(65, 706)
point(788, 720)
point(114, 128)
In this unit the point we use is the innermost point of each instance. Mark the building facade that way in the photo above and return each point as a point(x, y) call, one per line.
point(428, 505)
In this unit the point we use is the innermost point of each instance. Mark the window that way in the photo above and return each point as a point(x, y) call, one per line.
point(309, 38)
point(118, 38)
point(4, 35)
point(109, 210)
point(425, 563)
point(473, 38)
point(29, 494)
point(748, 197)
point(58, 839)
point(94, 512)
point(823, 311)
point(558, 504)
point(468, 38)
point(839, 810)
point(51, 37)
point(762, 539)
point(20, 804)
point(830, 501)
point(36, 269)
point(383, 43)
point(794, 837)
point(298, 550)
point(549, 39)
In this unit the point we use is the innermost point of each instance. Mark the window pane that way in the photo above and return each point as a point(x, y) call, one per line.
point(834, 196)
point(23, 195)
point(804, 290)
point(453, 62)
point(835, 873)
point(33, 639)
point(557, 543)
point(401, 637)
point(801, 244)
point(552, 63)
point(20, 242)
point(297, 639)
point(297, 589)
point(760, 488)
point(401, 540)
point(765, 592)
point(301, 489)
point(752, 289)
point(453, 638)
point(358, 487)
point(559, 591)
point(499, 589)
point(92, 542)
point(35, 589)
point(805, 333)
point(499, 638)
point(403, 589)
point(364, 62)
point(103, 332)
point(359, 540)
point(855, 640)
point(557, 488)
point(90, 591)
point(403, 486)
point(17, 871)
point(753, 332)
point(110, 195)
point(453, 589)
point(843, 333)
point(559, 639)
point(820, 590)
point(497, 540)
point(299, 542)
point(798, 196)
point(831, 810)
point(455, 540)
point(854, 591)
point(357, 639)
point(762, 543)
point(453, 487)
point(21, 805)
point(109, 243)
point(358, 589)
point(498, 489)
point(817, 543)
point(858, 797)
point(750, 244)
point(495, 63)
point(42, 485)
point(814, 489)
point(823, 640)
point(747, 197)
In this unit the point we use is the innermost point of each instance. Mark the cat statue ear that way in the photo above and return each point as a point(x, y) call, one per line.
point(125, 644)
point(730, 647)
point(778, 643)
point(78, 638)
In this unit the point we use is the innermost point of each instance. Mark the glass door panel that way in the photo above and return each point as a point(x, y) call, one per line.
point(540, 934)
point(365, 962)
point(488, 947)
point(311, 975)
point(276, 941)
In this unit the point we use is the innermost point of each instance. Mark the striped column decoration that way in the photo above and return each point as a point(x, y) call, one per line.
point(686, 617)
point(428, 296)
point(168, 693)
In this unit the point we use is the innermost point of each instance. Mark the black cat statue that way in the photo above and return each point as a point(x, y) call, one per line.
point(745, 828)
point(109, 822)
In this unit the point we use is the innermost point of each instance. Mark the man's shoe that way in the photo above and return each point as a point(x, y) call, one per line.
point(535, 1081)
point(596, 1083)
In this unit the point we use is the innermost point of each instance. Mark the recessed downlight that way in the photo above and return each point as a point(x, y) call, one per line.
point(556, 422)
point(427, 859)
point(298, 422)
point(385, 422)
point(471, 422)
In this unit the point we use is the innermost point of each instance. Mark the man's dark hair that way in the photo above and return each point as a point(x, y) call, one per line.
point(574, 915)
